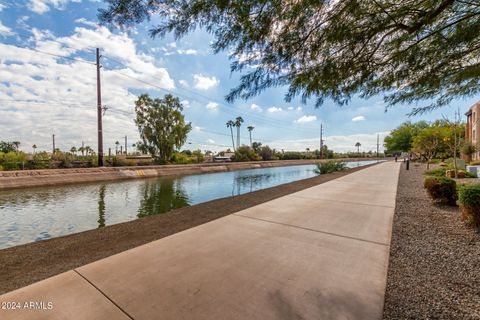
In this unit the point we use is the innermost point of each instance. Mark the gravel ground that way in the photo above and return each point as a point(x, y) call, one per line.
point(29, 263)
point(434, 268)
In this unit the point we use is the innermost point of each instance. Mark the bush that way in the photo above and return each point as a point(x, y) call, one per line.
point(475, 163)
point(330, 166)
point(438, 172)
point(469, 198)
point(441, 189)
point(245, 153)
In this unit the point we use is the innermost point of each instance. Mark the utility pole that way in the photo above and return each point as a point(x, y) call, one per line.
point(126, 145)
point(321, 140)
point(99, 113)
point(377, 143)
point(53, 143)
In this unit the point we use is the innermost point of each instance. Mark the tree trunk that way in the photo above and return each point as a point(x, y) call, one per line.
point(233, 142)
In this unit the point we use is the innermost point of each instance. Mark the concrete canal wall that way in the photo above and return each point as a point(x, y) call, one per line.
point(51, 177)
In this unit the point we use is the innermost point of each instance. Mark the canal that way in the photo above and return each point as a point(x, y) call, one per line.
point(28, 215)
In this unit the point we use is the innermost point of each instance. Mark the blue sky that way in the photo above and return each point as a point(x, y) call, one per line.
point(42, 94)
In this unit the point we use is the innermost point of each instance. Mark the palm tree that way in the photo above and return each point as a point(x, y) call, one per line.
point(116, 147)
point(231, 124)
point(88, 150)
point(82, 150)
point(358, 144)
point(250, 129)
point(34, 148)
point(238, 124)
point(73, 150)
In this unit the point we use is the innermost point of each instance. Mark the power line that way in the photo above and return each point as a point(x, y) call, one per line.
point(273, 122)
point(53, 54)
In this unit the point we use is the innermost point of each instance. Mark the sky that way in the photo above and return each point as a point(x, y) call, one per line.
point(48, 86)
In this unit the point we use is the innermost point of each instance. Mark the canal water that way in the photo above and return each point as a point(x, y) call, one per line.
point(28, 215)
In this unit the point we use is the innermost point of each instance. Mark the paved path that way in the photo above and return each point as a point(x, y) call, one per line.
point(321, 253)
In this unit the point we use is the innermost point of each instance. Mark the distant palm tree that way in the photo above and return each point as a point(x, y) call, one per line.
point(358, 144)
point(231, 124)
point(34, 148)
point(73, 150)
point(238, 124)
point(88, 150)
point(116, 147)
point(82, 150)
point(250, 129)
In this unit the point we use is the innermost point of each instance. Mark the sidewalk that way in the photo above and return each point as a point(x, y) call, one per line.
point(321, 253)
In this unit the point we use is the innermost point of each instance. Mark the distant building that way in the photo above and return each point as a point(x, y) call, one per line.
point(472, 128)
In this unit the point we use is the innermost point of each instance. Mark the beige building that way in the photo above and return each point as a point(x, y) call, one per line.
point(472, 128)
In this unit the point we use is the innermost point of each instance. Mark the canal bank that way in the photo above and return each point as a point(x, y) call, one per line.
point(25, 264)
point(52, 177)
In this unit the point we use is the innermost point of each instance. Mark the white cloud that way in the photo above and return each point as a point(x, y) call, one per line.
point(204, 82)
point(4, 30)
point(212, 105)
point(256, 107)
point(183, 82)
point(42, 6)
point(299, 108)
point(2, 6)
point(87, 22)
point(291, 108)
point(274, 109)
point(211, 141)
point(58, 92)
point(172, 44)
point(358, 118)
point(306, 119)
point(197, 128)
point(185, 103)
point(187, 51)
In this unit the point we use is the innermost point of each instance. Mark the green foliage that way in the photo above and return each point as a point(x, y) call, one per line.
point(180, 158)
point(161, 125)
point(441, 189)
point(401, 138)
point(13, 160)
point(330, 166)
point(41, 160)
point(469, 194)
point(438, 172)
point(245, 153)
point(266, 153)
point(469, 198)
point(7, 147)
point(197, 156)
point(468, 148)
point(411, 50)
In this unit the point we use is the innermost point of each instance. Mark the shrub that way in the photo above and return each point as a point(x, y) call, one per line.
point(475, 163)
point(245, 153)
point(441, 189)
point(330, 166)
point(437, 172)
point(469, 198)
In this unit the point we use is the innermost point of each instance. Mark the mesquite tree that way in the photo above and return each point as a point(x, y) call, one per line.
point(161, 125)
point(410, 50)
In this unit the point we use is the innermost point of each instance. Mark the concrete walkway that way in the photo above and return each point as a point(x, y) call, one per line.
point(321, 253)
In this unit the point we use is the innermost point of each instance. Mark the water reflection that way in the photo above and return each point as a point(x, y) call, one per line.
point(161, 196)
point(101, 206)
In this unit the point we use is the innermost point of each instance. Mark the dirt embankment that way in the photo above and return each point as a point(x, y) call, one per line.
point(26, 264)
